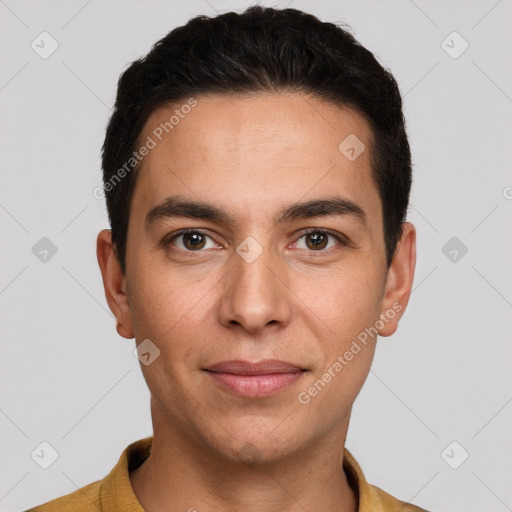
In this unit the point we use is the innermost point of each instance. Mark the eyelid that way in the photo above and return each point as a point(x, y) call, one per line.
point(342, 239)
point(166, 240)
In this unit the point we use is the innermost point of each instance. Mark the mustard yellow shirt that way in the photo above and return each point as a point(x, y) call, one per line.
point(114, 493)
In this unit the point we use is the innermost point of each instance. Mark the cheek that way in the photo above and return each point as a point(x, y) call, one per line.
point(157, 302)
point(172, 311)
point(337, 388)
point(345, 301)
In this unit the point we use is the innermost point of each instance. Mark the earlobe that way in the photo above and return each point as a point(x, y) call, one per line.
point(399, 281)
point(114, 283)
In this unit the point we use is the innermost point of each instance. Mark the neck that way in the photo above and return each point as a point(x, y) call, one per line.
point(182, 474)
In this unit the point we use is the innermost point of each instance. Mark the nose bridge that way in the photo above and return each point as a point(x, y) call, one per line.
point(253, 296)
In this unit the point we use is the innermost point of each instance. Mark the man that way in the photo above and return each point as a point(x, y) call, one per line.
point(257, 175)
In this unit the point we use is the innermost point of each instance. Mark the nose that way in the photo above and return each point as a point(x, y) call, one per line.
point(255, 295)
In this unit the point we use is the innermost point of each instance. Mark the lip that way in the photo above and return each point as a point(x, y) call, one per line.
point(252, 380)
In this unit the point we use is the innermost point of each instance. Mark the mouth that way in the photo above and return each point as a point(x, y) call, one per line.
point(253, 380)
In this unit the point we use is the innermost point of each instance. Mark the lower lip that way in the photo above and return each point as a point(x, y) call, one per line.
point(253, 386)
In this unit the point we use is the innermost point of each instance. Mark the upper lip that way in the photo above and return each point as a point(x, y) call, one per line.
point(265, 367)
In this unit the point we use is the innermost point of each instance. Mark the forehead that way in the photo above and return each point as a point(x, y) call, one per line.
point(258, 150)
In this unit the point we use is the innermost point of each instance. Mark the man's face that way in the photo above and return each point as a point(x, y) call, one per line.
point(252, 284)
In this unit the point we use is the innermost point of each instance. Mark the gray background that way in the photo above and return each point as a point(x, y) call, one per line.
point(68, 379)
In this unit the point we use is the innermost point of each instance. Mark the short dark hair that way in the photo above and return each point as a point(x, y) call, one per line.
point(260, 50)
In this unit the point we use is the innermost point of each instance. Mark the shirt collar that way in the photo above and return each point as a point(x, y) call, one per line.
point(116, 492)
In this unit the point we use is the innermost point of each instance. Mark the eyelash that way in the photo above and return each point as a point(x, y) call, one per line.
point(343, 241)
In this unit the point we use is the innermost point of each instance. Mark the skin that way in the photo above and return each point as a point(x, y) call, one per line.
point(251, 156)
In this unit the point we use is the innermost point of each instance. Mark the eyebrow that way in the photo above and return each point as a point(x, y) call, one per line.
point(175, 206)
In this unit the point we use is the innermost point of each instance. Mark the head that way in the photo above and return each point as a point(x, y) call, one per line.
point(278, 142)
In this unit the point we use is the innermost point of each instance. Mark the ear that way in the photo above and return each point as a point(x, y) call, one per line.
point(114, 282)
point(399, 281)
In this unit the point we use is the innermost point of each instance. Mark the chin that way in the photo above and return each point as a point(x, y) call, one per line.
point(252, 447)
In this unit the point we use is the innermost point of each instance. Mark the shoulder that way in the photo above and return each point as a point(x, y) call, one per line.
point(371, 497)
point(114, 492)
point(383, 501)
point(81, 500)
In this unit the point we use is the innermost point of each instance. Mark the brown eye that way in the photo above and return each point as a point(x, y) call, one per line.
point(191, 241)
point(318, 240)
point(194, 241)
point(315, 241)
